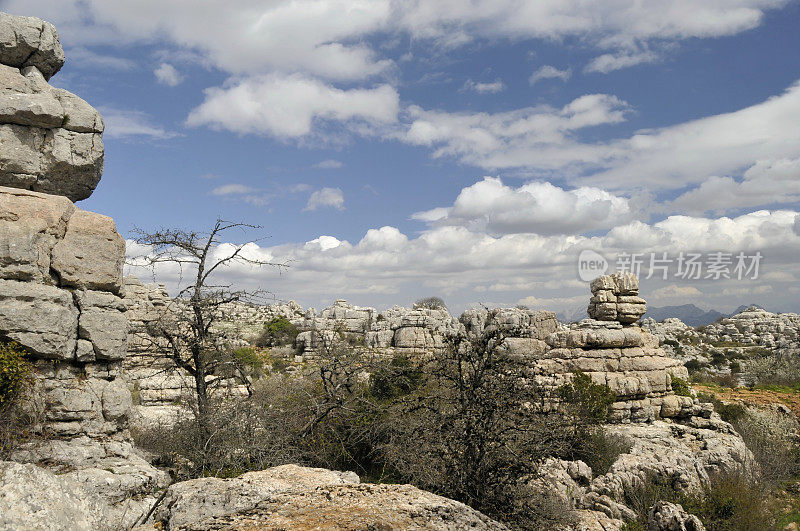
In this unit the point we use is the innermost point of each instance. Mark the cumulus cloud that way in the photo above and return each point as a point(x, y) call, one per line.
point(485, 88)
point(387, 267)
point(674, 292)
point(286, 106)
point(166, 74)
point(537, 207)
point(610, 62)
point(327, 38)
point(544, 140)
point(326, 197)
point(764, 183)
point(549, 72)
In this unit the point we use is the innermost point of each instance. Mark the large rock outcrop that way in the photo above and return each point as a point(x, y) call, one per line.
point(294, 497)
point(60, 300)
point(50, 139)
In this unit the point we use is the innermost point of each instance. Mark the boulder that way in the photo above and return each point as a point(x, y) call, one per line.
point(30, 225)
point(616, 298)
point(50, 139)
point(41, 318)
point(91, 254)
point(37, 499)
point(666, 516)
point(29, 41)
point(294, 497)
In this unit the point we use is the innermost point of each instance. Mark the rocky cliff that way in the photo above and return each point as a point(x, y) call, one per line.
point(60, 287)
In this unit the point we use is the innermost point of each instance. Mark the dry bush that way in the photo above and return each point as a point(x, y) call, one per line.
point(773, 370)
point(731, 501)
point(773, 437)
point(468, 433)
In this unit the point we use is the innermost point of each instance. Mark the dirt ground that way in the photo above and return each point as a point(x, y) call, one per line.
point(756, 397)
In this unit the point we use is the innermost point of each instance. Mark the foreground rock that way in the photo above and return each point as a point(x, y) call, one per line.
point(36, 499)
point(294, 497)
point(60, 287)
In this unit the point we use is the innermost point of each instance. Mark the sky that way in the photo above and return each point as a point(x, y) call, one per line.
point(470, 150)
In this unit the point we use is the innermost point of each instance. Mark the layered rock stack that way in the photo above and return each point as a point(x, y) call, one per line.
point(616, 298)
point(61, 272)
point(611, 349)
point(50, 139)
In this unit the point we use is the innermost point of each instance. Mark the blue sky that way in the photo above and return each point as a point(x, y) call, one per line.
point(463, 149)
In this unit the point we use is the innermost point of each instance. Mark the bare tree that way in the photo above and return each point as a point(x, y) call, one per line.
point(186, 331)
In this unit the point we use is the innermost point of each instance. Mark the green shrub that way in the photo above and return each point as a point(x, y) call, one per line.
point(718, 359)
point(397, 379)
point(15, 378)
point(432, 303)
point(680, 386)
point(693, 365)
point(729, 501)
point(600, 450)
point(277, 332)
point(14, 371)
point(585, 399)
point(251, 359)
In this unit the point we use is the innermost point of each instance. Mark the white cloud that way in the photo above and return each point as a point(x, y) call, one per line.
point(242, 192)
point(766, 182)
point(674, 292)
point(121, 123)
point(387, 267)
point(326, 197)
point(485, 88)
point(539, 137)
point(690, 152)
point(287, 106)
point(543, 140)
point(329, 164)
point(537, 207)
point(616, 61)
point(549, 72)
point(327, 38)
point(232, 189)
point(166, 74)
point(85, 57)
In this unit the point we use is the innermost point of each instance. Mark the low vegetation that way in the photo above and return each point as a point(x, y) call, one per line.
point(15, 379)
point(277, 332)
point(431, 303)
point(458, 424)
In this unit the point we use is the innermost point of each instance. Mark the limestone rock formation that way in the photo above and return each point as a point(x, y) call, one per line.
point(60, 287)
point(37, 499)
point(666, 516)
point(616, 298)
point(50, 139)
point(29, 41)
point(294, 497)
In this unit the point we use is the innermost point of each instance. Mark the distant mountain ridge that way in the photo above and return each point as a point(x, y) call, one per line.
point(690, 314)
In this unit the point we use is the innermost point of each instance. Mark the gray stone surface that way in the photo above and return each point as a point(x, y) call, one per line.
point(41, 318)
point(29, 41)
point(91, 253)
point(294, 497)
point(50, 139)
point(33, 498)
